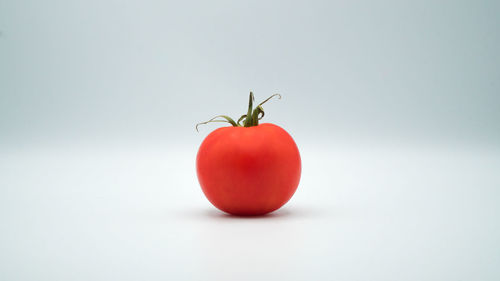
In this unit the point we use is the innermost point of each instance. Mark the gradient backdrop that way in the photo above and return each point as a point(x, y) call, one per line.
point(395, 106)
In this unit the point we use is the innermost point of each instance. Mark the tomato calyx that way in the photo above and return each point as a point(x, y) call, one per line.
point(249, 120)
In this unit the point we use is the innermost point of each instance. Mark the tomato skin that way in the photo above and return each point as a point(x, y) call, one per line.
point(248, 170)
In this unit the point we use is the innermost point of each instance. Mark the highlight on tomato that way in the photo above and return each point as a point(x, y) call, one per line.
point(248, 168)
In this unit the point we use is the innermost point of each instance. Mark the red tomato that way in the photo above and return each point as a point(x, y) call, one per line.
point(248, 170)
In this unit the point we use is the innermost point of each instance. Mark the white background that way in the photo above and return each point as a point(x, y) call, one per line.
point(362, 212)
point(394, 106)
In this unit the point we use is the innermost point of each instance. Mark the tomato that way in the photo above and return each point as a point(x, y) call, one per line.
point(249, 170)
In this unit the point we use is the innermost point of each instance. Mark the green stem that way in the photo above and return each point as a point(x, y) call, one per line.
point(228, 120)
point(249, 120)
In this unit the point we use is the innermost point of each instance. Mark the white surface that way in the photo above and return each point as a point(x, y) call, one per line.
point(362, 212)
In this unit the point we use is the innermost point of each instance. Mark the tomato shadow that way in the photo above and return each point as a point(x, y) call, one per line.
point(222, 215)
point(285, 213)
